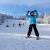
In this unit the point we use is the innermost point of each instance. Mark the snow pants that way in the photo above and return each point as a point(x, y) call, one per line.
point(35, 30)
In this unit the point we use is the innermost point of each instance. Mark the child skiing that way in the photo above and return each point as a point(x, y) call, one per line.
point(32, 20)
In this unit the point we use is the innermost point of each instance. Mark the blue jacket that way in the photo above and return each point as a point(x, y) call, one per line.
point(32, 19)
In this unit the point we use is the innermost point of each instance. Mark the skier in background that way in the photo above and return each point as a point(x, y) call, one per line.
point(13, 24)
point(32, 20)
point(19, 25)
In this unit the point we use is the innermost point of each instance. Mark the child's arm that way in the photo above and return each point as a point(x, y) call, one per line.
point(36, 13)
point(27, 14)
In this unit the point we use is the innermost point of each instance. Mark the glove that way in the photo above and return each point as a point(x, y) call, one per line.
point(35, 10)
point(28, 11)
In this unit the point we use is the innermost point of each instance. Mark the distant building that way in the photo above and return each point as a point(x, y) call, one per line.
point(40, 19)
point(22, 18)
point(0, 19)
point(46, 18)
point(3, 17)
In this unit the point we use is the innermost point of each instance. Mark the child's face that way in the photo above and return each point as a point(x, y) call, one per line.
point(32, 13)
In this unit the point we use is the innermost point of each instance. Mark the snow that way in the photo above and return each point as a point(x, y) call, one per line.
point(13, 38)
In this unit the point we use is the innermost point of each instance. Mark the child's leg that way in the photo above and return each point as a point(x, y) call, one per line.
point(35, 30)
point(29, 31)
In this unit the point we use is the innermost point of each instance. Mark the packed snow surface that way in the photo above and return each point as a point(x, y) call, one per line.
point(13, 38)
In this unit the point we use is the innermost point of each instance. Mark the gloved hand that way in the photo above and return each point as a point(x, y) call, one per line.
point(35, 10)
point(28, 11)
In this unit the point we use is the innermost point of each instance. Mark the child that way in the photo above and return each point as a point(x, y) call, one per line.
point(32, 20)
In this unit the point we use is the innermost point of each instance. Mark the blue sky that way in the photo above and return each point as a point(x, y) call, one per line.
point(22, 6)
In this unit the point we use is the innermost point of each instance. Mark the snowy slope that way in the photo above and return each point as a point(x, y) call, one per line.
point(13, 38)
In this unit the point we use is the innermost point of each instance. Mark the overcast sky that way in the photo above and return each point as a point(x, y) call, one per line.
point(22, 6)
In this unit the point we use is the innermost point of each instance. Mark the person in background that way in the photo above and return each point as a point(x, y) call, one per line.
point(19, 25)
point(13, 24)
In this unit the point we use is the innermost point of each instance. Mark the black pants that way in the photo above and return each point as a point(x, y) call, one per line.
point(35, 30)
